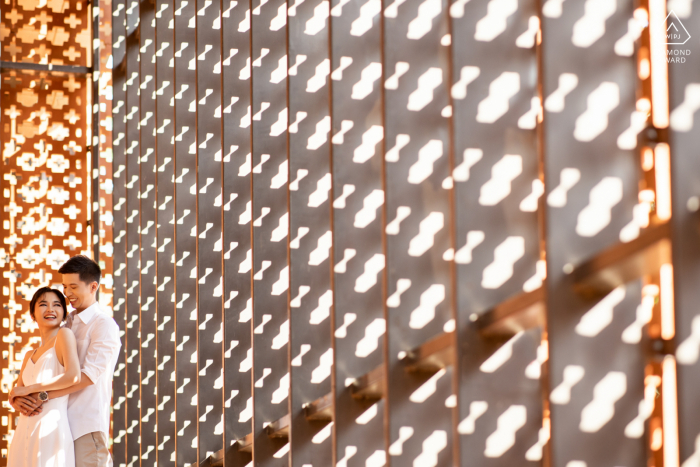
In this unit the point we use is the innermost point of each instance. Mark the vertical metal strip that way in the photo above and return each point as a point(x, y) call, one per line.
point(106, 153)
point(270, 223)
point(591, 179)
point(210, 381)
point(165, 233)
point(357, 236)
point(147, 230)
point(118, 175)
point(310, 229)
point(418, 242)
point(497, 189)
point(133, 251)
point(237, 229)
point(186, 233)
point(94, 144)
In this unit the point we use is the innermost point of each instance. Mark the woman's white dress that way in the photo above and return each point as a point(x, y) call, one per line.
point(43, 440)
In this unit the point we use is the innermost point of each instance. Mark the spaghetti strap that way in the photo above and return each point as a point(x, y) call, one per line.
point(31, 357)
point(56, 353)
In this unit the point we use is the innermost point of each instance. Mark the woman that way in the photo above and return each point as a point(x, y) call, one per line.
point(45, 440)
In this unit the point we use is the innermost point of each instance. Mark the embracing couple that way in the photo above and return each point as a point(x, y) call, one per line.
point(64, 390)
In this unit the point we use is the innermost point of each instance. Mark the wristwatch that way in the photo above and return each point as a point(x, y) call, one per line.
point(43, 396)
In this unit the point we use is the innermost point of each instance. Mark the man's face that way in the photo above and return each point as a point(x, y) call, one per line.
point(77, 292)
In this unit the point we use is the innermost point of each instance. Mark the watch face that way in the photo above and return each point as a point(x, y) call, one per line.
point(43, 396)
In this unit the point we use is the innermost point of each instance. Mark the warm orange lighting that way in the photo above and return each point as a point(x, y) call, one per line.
point(663, 181)
point(641, 15)
point(647, 159)
point(656, 439)
point(651, 382)
point(641, 213)
point(644, 67)
point(646, 196)
point(643, 105)
point(668, 321)
point(651, 290)
point(659, 65)
point(670, 412)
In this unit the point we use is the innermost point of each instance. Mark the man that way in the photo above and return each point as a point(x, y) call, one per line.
point(97, 337)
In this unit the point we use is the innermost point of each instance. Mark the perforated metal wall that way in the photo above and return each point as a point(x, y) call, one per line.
point(410, 232)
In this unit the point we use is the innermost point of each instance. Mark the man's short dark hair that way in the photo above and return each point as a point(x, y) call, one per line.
point(39, 294)
point(88, 270)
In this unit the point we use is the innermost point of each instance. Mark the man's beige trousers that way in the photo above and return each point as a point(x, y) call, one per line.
point(91, 451)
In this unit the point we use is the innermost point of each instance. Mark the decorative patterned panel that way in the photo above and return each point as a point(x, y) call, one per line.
point(185, 121)
point(497, 190)
point(44, 188)
point(310, 230)
point(238, 308)
point(102, 171)
point(146, 160)
point(684, 86)
point(118, 176)
point(132, 207)
point(165, 241)
point(418, 223)
point(270, 215)
point(591, 174)
point(417, 148)
point(210, 381)
point(358, 249)
point(50, 32)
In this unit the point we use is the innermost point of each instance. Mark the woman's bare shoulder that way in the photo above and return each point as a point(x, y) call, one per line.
point(65, 334)
point(27, 355)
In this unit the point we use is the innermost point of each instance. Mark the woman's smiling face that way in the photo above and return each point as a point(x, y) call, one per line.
point(48, 311)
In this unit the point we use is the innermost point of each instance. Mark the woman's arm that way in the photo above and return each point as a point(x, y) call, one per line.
point(67, 350)
point(16, 403)
point(85, 381)
point(27, 356)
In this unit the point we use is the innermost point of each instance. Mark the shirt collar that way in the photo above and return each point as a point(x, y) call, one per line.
point(88, 313)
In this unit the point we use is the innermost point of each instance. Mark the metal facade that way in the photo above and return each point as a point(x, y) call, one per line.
point(366, 233)
point(409, 233)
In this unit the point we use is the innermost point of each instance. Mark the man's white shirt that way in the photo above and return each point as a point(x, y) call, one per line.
point(97, 338)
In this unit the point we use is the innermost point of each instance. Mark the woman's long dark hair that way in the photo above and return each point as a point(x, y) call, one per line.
point(43, 291)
